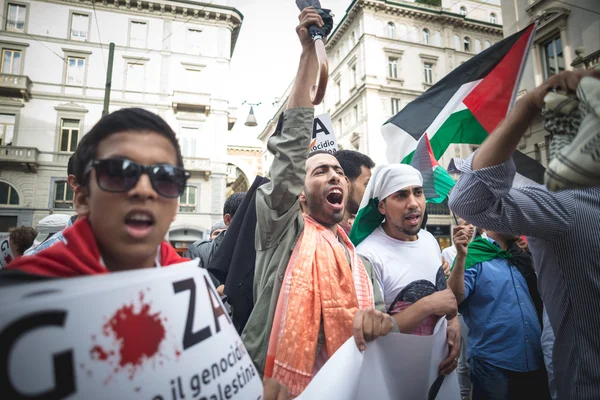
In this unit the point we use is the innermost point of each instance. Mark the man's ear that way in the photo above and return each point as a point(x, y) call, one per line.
point(81, 201)
point(381, 207)
point(227, 219)
point(72, 181)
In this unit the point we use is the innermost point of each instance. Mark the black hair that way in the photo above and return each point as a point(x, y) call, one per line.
point(126, 119)
point(71, 165)
point(232, 203)
point(317, 152)
point(352, 161)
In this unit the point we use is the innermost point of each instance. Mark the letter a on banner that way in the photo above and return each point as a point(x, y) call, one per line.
point(323, 137)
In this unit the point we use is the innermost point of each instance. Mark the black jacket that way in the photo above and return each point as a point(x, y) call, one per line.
point(205, 251)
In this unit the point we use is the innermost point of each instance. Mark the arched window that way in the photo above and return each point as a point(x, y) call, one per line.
point(463, 10)
point(477, 46)
point(487, 44)
point(414, 34)
point(493, 18)
point(425, 36)
point(456, 43)
point(391, 30)
point(467, 45)
point(8, 195)
point(437, 38)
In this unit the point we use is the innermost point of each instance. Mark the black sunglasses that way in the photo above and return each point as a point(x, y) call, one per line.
point(118, 175)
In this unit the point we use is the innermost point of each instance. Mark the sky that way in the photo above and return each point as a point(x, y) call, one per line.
point(266, 56)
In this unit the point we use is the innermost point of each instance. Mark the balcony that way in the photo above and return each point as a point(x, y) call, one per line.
point(191, 102)
point(194, 164)
point(15, 86)
point(24, 157)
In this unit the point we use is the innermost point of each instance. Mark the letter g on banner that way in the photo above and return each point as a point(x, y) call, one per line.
point(64, 376)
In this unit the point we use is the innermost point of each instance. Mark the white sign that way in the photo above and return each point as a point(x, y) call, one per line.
point(323, 137)
point(394, 367)
point(153, 334)
point(6, 255)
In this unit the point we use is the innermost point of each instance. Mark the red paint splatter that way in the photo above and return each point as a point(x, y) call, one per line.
point(138, 336)
point(177, 353)
point(137, 389)
point(98, 353)
point(7, 259)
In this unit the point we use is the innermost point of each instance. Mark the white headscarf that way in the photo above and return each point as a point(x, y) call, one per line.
point(388, 179)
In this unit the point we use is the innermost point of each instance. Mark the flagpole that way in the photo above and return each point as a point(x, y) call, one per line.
point(522, 66)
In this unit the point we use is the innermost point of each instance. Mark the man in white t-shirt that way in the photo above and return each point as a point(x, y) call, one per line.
point(406, 259)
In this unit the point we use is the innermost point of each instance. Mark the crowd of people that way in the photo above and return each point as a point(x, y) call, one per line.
point(523, 269)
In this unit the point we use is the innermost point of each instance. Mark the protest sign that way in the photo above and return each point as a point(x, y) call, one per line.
point(6, 254)
point(153, 334)
point(394, 367)
point(323, 137)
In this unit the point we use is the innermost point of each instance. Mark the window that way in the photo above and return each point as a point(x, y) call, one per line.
point(437, 38)
point(135, 76)
point(187, 201)
point(7, 222)
point(391, 30)
point(338, 91)
point(193, 40)
point(553, 58)
point(79, 26)
point(477, 46)
point(63, 195)
point(137, 34)
point(7, 129)
point(187, 141)
point(467, 45)
point(487, 44)
point(353, 77)
point(69, 134)
point(8, 195)
point(493, 18)
point(393, 67)
point(395, 106)
point(428, 73)
point(426, 36)
point(463, 10)
point(16, 18)
point(75, 71)
point(11, 61)
point(456, 41)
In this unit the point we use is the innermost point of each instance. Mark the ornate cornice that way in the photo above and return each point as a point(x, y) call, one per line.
point(181, 10)
point(420, 12)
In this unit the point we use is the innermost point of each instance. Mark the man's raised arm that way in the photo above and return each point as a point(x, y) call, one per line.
point(291, 141)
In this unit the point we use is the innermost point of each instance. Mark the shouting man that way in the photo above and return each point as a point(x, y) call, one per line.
point(311, 290)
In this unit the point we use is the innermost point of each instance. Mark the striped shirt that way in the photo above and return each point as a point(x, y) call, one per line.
point(563, 231)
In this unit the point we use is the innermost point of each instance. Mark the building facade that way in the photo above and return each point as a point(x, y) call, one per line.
point(383, 55)
point(567, 38)
point(169, 57)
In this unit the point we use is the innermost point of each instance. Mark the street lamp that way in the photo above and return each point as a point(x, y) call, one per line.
point(251, 120)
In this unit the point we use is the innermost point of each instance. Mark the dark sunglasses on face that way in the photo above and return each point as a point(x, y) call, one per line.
point(119, 175)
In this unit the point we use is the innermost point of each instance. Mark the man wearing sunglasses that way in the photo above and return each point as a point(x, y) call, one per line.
point(130, 174)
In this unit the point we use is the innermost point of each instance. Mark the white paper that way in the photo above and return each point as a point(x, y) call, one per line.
point(6, 255)
point(323, 135)
point(76, 338)
point(395, 367)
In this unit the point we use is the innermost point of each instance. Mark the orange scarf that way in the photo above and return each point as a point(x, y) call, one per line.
point(318, 285)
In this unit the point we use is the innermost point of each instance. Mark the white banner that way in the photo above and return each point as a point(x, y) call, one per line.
point(394, 367)
point(6, 254)
point(323, 136)
point(153, 334)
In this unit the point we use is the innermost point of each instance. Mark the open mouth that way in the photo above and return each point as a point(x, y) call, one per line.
point(139, 223)
point(335, 197)
point(413, 219)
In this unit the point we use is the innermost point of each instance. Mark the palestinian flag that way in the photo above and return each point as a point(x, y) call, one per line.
point(437, 183)
point(464, 107)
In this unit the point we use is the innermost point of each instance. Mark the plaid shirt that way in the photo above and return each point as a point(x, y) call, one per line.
point(58, 236)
